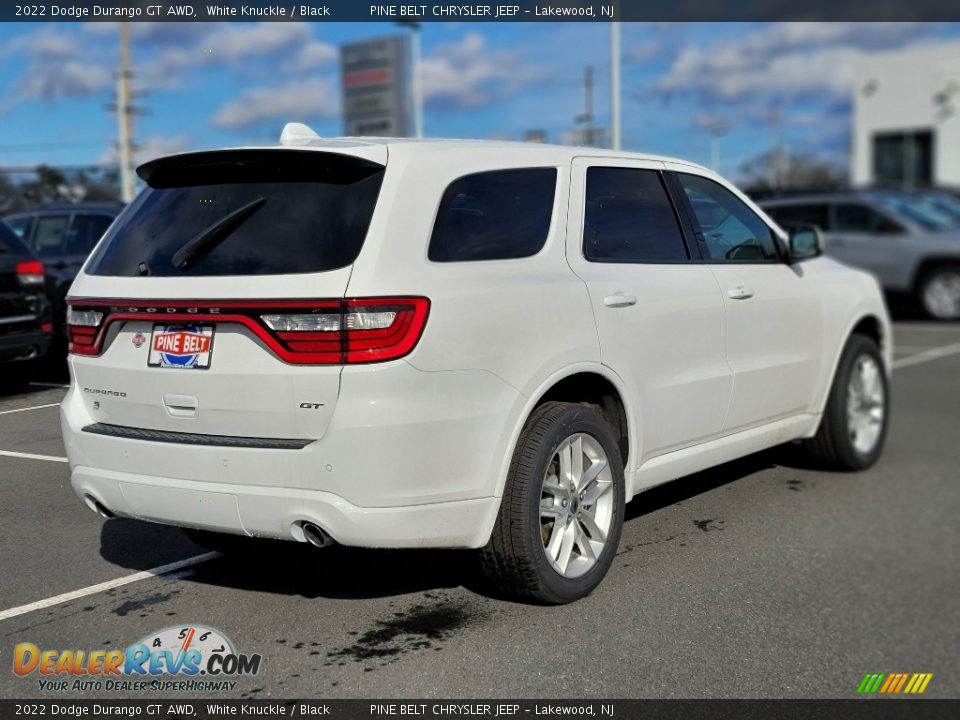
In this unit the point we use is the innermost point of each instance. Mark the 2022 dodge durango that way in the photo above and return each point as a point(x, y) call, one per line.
point(462, 344)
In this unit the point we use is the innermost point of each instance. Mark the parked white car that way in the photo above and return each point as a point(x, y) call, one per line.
point(463, 344)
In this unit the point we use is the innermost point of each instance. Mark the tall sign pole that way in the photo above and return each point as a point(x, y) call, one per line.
point(124, 117)
point(615, 85)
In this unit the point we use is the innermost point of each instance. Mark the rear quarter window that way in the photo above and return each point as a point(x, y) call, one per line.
point(498, 215)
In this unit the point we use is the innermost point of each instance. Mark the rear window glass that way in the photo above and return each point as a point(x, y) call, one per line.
point(271, 212)
point(496, 215)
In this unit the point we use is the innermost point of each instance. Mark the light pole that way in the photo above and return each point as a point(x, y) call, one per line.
point(416, 81)
point(615, 84)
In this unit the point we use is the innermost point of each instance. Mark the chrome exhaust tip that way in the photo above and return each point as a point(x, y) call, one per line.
point(98, 507)
point(315, 535)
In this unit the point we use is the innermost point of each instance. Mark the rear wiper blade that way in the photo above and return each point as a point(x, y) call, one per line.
point(212, 236)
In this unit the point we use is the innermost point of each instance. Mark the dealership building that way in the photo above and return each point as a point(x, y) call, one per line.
point(906, 118)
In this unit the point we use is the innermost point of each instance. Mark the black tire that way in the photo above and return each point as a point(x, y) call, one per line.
point(938, 274)
point(515, 561)
point(833, 445)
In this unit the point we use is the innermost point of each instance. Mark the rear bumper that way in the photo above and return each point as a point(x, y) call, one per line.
point(280, 512)
point(409, 459)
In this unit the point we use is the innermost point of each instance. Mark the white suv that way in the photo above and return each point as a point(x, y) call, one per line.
point(464, 344)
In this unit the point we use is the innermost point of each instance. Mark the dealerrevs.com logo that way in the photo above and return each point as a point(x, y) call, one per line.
point(192, 659)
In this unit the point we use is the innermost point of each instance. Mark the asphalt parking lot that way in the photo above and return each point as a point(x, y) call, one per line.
point(760, 578)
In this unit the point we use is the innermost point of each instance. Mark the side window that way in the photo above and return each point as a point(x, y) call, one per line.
point(732, 232)
point(629, 218)
point(496, 215)
point(84, 233)
point(853, 217)
point(789, 216)
point(50, 234)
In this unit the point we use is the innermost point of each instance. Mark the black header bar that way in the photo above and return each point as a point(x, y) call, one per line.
point(859, 709)
point(505, 11)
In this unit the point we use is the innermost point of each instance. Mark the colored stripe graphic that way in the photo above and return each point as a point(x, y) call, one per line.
point(894, 683)
point(903, 679)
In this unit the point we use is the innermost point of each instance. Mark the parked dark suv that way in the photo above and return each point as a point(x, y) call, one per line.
point(63, 234)
point(25, 326)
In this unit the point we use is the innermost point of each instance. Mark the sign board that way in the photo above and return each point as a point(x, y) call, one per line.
point(375, 77)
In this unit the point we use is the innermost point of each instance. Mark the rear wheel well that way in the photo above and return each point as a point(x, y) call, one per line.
point(870, 327)
point(594, 389)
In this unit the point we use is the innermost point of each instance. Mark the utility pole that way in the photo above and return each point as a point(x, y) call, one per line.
point(615, 84)
point(125, 112)
point(589, 134)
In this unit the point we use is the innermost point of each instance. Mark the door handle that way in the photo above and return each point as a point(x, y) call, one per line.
point(619, 300)
point(740, 293)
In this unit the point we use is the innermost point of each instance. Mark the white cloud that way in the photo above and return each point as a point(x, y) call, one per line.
point(58, 66)
point(233, 46)
point(467, 74)
point(313, 56)
point(71, 78)
point(782, 61)
point(298, 101)
point(150, 148)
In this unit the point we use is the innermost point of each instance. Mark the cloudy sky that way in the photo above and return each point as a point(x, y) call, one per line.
point(210, 85)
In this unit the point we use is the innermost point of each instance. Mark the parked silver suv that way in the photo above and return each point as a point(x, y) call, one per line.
point(911, 244)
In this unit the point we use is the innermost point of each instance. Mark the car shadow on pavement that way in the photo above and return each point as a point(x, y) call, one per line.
point(690, 486)
point(286, 568)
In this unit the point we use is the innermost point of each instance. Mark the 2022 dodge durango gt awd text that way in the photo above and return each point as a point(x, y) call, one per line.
point(460, 344)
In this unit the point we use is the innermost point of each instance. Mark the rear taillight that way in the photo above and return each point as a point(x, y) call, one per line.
point(30, 272)
point(82, 328)
point(362, 330)
point(300, 332)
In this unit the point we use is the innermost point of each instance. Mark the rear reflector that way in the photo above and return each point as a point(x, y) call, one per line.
point(300, 332)
point(30, 272)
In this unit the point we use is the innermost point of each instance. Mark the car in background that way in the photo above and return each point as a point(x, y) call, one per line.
point(911, 243)
point(62, 235)
point(25, 326)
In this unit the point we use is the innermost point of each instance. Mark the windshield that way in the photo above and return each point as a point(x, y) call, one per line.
point(312, 214)
point(921, 213)
point(946, 204)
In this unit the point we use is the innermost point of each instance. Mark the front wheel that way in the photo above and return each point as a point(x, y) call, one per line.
point(562, 510)
point(854, 424)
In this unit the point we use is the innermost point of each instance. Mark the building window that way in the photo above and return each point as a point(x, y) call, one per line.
point(903, 158)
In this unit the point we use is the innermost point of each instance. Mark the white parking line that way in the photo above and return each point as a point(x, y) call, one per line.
point(31, 456)
point(109, 585)
point(927, 356)
point(32, 407)
point(49, 385)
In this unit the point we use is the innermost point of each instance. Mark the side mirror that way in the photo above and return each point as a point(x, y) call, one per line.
point(805, 242)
